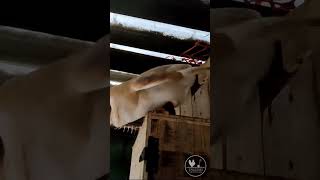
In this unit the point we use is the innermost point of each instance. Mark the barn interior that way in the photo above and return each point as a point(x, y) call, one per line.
point(280, 115)
point(285, 158)
point(167, 46)
point(30, 42)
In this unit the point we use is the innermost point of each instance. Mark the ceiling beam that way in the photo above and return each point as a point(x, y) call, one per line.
point(158, 28)
point(191, 13)
point(154, 36)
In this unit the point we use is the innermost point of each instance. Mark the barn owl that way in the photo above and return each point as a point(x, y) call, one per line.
point(154, 88)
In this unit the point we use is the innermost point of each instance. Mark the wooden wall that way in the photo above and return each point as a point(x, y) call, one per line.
point(178, 138)
point(292, 128)
point(197, 105)
point(286, 141)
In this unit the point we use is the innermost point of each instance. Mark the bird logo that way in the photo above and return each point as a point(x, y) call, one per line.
point(195, 166)
point(192, 163)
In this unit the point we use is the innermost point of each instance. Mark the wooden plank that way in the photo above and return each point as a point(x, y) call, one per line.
point(243, 148)
point(185, 109)
point(179, 137)
point(137, 169)
point(197, 105)
point(201, 102)
point(216, 158)
point(236, 113)
point(291, 129)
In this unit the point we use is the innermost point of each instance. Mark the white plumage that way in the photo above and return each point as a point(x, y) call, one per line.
point(133, 99)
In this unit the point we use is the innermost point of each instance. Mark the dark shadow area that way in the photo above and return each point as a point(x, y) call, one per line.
point(265, 11)
point(120, 149)
point(78, 20)
point(1, 151)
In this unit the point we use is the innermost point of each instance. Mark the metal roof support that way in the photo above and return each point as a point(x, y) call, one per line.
point(150, 53)
point(173, 31)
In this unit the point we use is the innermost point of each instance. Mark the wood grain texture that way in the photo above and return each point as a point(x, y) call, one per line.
point(292, 130)
point(179, 137)
point(137, 168)
point(197, 105)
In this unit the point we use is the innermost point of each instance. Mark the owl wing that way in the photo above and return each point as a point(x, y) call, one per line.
point(166, 68)
point(157, 76)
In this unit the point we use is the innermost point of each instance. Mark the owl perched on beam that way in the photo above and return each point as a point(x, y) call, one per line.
point(153, 89)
